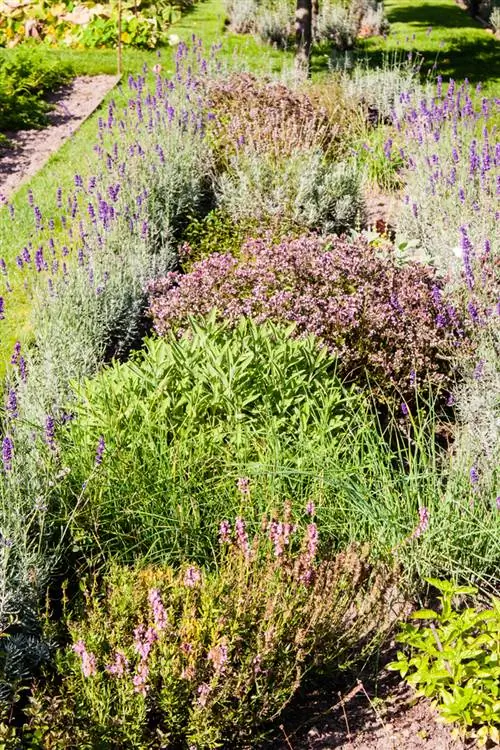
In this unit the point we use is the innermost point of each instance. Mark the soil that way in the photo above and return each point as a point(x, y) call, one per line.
point(30, 149)
point(368, 715)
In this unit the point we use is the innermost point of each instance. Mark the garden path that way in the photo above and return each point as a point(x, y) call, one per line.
point(31, 149)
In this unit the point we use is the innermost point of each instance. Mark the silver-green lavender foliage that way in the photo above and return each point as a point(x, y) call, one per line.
point(305, 188)
point(88, 303)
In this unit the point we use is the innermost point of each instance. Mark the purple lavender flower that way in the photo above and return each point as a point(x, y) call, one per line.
point(49, 432)
point(474, 476)
point(11, 404)
point(7, 452)
point(2, 309)
point(101, 447)
point(467, 251)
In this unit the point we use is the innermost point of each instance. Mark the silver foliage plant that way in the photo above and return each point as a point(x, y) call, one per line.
point(305, 188)
point(88, 302)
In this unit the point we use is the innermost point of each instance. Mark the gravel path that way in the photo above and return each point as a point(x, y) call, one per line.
point(32, 148)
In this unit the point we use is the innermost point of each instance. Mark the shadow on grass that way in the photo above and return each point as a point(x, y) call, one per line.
point(433, 14)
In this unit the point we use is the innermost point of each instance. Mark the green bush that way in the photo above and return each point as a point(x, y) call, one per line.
point(165, 658)
point(182, 420)
point(26, 77)
point(455, 660)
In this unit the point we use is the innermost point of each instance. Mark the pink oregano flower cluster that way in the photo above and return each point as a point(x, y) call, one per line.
point(372, 313)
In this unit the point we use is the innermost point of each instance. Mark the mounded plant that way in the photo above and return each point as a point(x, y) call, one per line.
point(378, 317)
point(163, 657)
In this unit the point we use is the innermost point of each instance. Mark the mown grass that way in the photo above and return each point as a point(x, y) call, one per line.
point(450, 41)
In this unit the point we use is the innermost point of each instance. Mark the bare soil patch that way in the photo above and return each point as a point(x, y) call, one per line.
point(32, 148)
point(369, 715)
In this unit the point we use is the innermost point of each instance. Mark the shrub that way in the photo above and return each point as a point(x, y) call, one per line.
point(335, 23)
point(195, 657)
point(86, 284)
point(454, 661)
point(26, 77)
point(198, 408)
point(451, 162)
point(305, 189)
point(257, 115)
point(375, 316)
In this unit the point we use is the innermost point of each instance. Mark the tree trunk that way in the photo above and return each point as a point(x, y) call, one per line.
point(303, 35)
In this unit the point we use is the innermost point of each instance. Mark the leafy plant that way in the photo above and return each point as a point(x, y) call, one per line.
point(455, 661)
point(26, 78)
point(362, 304)
point(89, 24)
point(200, 657)
point(181, 420)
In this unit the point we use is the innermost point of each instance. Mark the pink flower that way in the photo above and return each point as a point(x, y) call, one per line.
point(218, 656)
point(159, 612)
point(203, 692)
point(192, 577)
point(89, 665)
point(119, 665)
point(310, 508)
point(423, 523)
point(141, 678)
point(244, 487)
point(225, 532)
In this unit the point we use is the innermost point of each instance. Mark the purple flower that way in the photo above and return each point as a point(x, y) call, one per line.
point(101, 447)
point(310, 508)
point(498, 502)
point(7, 452)
point(467, 251)
point(2, 309)
point(49, 432)
point(404, 409)
point(12, 403)
point(474, 476)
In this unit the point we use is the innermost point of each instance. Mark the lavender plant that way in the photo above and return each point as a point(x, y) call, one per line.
point(88, 295)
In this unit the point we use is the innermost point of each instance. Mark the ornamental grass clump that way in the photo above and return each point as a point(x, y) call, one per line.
point(193, 657)
point(380, 319)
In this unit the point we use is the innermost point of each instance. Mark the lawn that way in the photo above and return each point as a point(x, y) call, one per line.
point(450, 41)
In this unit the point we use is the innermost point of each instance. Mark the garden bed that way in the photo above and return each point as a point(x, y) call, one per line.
point(249, 432)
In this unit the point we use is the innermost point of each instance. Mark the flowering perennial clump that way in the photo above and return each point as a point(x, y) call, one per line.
point(374, 315)
point(214, 655)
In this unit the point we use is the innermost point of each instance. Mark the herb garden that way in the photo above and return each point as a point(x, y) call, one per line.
point(251, 391)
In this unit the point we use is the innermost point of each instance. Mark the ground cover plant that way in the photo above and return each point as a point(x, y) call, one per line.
point(112, 462)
